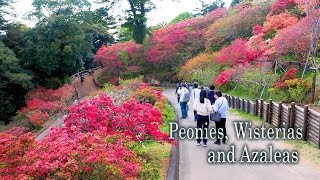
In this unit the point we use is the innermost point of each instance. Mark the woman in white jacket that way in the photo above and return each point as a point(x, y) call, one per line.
point(203, 108)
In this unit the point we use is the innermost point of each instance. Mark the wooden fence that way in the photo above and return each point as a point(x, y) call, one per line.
point(282, 116)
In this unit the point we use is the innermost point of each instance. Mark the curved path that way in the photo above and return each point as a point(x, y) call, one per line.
point(193, 159)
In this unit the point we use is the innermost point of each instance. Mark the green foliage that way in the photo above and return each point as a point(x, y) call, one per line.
point(168, 115)
point(254, 81)
point(4, 10)
point(56, 48)
point(14, 82)
point(124, 34)
point(203, 75)
point(292, 90)
point(208, 7)
point(181, 17)
point(108, 87)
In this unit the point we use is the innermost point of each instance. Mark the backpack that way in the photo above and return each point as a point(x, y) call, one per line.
point(186, 97)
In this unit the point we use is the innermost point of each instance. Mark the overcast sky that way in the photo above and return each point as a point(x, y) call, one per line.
point(166, 9)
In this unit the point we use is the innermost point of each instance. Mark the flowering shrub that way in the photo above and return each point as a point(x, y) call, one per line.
point(65, 155)
point(184, 38)
point(225, 77)
point(290, 74)
point(294, 39)
point(278, 22)
point(291, 90)
point(281, 5)
point(139, 121)
point(238, 23)
point(43, 103)
point(199, 63)
point(148, 95)
point(17, 131)
point(236, 53)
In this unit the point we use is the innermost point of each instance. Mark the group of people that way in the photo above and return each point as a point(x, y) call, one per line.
point(206, 100)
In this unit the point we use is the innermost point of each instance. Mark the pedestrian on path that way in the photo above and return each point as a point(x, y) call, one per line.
point(221, 106)
point(195, 94)
point(184, 95)
point(211, 94)
point(178, 87)
point(203, 108)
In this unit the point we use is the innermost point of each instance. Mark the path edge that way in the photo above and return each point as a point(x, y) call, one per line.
point(173, 171)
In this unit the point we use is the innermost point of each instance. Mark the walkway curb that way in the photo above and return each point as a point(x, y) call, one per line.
point(173, 170)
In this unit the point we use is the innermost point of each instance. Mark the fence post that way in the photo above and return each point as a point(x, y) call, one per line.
point(279, 115)
point(248, 106)
point(267, 112)
point(232, 102)
point(256, 108)
point(237, 102)
point(261, 108)
point(305, 120)
point(243, 105)
point(292, 116)
point(270, 111)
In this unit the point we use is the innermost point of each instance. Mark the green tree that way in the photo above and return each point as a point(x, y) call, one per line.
point(135, 19)
point(4, 10)
point(13, 37)
point(14, 82)
point(56, 48)
point(181, 17)
point(235, 2)
point(208, 7)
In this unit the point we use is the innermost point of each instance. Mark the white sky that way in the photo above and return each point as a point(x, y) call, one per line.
point(166, 10)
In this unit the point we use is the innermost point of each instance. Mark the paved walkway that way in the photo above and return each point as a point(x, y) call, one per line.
point(194, 165)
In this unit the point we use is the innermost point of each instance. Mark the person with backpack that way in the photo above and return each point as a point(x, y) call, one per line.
point(203, 107)
point(195, 94)
point(184, 99)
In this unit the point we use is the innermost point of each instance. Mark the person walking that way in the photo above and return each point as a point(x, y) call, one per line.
point(211, 94)
point(221, 106)
point(184, 94)
point(178, 87)
point(195, 94)
point(205, 87)
point(203, 108)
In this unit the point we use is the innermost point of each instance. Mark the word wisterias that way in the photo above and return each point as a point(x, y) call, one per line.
point(244, 130)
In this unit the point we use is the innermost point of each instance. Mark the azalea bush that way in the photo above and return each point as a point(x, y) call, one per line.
point(65, 155)
point(290, 88)
point(203, 68)
point(238, 23)
point(148, 95)
point(139, 121)
point(43, 103)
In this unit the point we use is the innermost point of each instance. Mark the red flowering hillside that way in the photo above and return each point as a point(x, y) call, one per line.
point(43, 103)
point(180, 40)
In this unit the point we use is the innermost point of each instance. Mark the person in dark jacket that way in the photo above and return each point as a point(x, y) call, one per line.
point(211, 94)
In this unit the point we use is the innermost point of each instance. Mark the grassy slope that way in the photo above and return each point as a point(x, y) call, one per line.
point(159, 154)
